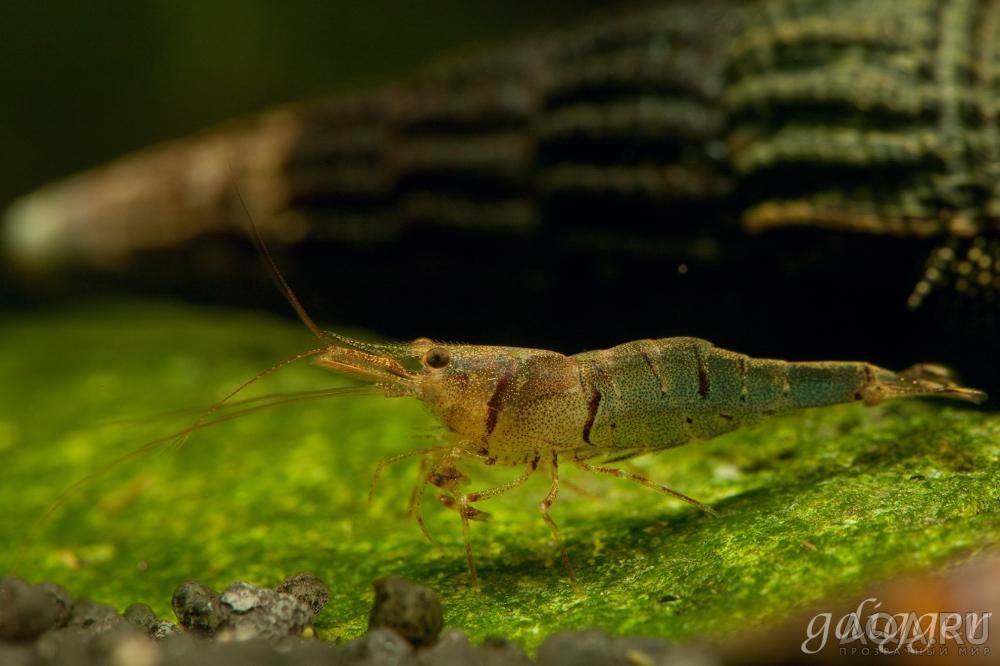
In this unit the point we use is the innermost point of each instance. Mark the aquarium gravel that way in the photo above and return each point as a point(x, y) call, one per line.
point(43, 625)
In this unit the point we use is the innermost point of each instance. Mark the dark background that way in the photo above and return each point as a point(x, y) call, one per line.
point(87, 82)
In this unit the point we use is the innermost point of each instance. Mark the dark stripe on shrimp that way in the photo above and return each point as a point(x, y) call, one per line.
point(652, 368)
point(496, 400)
point(869, 382)
point(586, 371)
point(592, 406)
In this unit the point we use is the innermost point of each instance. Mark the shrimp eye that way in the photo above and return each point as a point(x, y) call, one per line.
point(437, 357)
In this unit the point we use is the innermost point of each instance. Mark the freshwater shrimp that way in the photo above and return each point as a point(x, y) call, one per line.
point(532, 408)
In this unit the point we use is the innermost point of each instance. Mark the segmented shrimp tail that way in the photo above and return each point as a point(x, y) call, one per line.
point(922, 379)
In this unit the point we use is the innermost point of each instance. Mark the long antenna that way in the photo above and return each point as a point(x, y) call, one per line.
point(272, 269)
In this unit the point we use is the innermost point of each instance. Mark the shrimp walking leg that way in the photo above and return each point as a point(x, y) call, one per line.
point(395, 459)
point(415, 509)
point(643, 481)
point(544, 507)
point(467, 512)
point(437, 468)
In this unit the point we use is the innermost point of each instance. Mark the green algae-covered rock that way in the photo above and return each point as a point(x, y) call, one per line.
point(814, 504)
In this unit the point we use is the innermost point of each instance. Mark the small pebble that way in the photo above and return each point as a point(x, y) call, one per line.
point(503, 651)
point(93, 643)
point(143, 617)
point(140, 615)
point(28, 610)
point(593, 646)
point(62, 596)
point(228, 653)
point(256, 612)
point(253, 625)
point(178, 646)
point(411, 610)
point(307, 588)
point(161, 630)
point(577, 648)
point(94, 617)
point(454, 649)
point(381, 647)
point(197, 608)
point(133, 649)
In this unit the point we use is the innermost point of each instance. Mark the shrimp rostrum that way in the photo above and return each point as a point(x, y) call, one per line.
point(534, 409)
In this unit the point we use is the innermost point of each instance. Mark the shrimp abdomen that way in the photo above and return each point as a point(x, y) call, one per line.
point(653, 394)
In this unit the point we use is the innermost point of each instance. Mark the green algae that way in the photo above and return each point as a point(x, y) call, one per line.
point(813, 505)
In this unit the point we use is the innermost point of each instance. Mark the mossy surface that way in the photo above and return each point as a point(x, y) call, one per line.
point(814, 504)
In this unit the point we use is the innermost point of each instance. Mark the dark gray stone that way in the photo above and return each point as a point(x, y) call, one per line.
point(94, 633)
point(307, 652)
point(143, 617)
point(379, 647)
point(411, 610)
point(162, 630)
point(198, 608)
point(580, 648)
point(592, 646)
point(93, 617)
point(26, 611)
point(225, 653)
point(64, 598)
point(182, 650)
point(178, 645)
point(96, 643)
point(502, 651)
point(454, 649)
point(140, 615)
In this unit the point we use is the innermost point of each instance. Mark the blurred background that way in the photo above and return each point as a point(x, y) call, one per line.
point(87, 84)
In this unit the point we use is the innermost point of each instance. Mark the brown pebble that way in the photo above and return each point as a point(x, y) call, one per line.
point(307, 588)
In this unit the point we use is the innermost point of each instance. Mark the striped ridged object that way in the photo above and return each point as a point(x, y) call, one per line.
point(875, 116)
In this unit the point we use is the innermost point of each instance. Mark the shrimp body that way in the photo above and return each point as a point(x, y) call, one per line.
point(509, 403)
point(533, 408)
